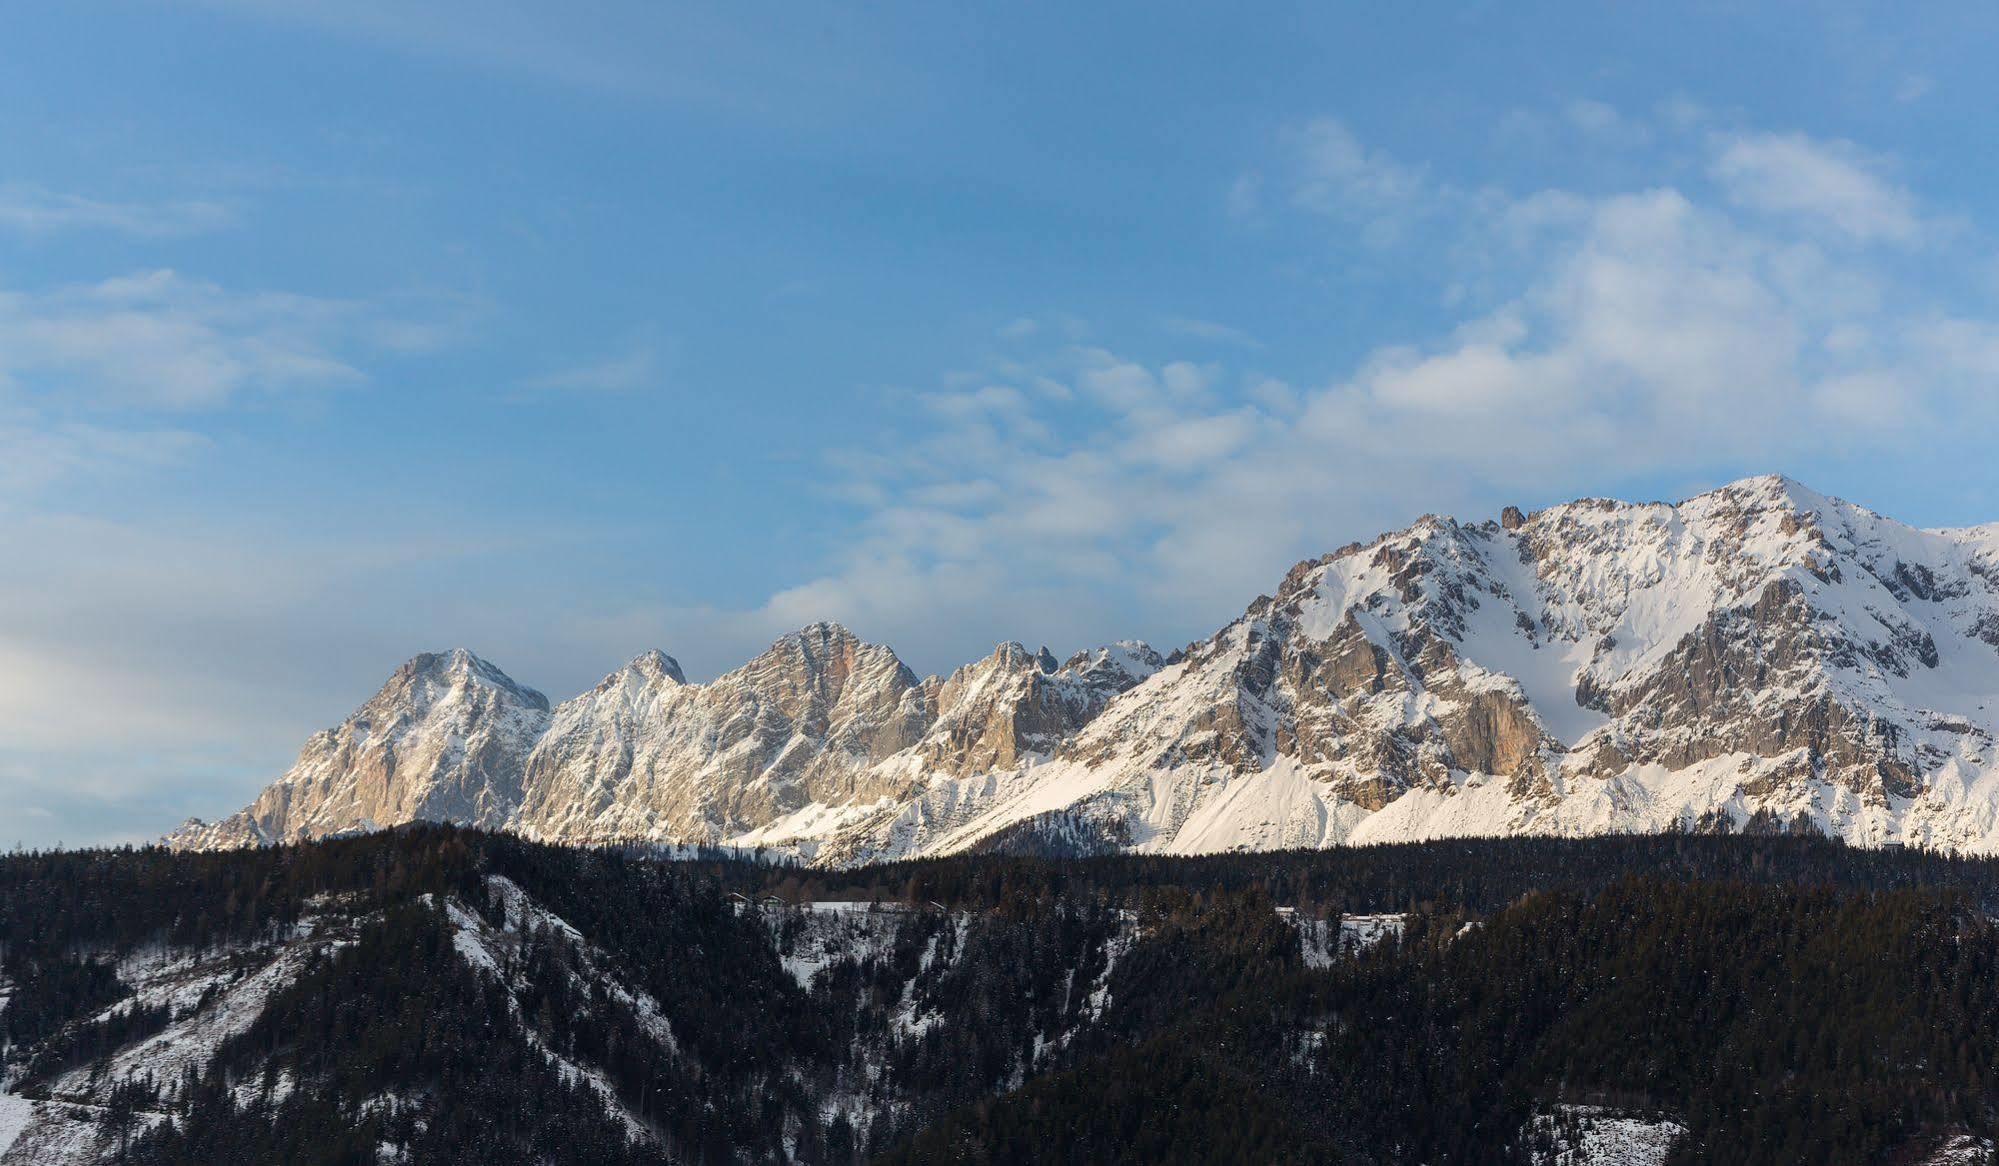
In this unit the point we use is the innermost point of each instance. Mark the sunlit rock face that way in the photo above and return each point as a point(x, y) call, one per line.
point(446, 739)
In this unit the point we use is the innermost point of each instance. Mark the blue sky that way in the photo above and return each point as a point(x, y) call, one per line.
point(335, 331)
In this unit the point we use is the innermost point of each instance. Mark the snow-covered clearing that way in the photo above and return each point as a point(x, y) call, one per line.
point(833, 930)
point(1324, 940)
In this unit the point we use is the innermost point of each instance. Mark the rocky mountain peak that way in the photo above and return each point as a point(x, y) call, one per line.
point(430, 675)
point(821, 636)
point(445, 739)
point(655, 664)
point(643, 676)
point(1131, 660)
point(1012, 656)
point(815, 667)
point(1591, 666)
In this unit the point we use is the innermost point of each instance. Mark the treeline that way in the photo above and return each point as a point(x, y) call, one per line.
point(1479, 875)
point(122, 898)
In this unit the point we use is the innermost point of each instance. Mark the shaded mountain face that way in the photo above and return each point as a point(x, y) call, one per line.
point(1759, 653)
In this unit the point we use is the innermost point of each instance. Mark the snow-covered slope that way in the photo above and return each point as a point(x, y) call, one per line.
point(1761, 652)
point(209, 994)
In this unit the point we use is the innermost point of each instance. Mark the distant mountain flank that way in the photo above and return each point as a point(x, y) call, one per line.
point(1760, 656)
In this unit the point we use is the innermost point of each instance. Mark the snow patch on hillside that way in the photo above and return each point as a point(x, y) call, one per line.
point(821, 934)
point(15, 1114)
point(1324, 940)
point(1961, 1150)
point(1583, 1135)
point(56, 1133)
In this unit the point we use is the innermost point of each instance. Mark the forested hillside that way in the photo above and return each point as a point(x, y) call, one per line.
point(437, 995)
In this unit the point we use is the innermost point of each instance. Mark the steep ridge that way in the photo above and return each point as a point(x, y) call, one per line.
point(820, 730)
point(645, 754)
point(1759, 656)
point(444, 740)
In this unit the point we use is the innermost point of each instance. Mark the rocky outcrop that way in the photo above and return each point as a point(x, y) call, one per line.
point(1013, 705)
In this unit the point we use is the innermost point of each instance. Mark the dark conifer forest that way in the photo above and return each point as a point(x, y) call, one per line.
point(434, 995)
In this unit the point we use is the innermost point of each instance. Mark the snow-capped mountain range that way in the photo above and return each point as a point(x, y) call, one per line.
point(1760, 650)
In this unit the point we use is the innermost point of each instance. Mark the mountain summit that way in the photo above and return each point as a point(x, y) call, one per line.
point(1758, 654)
point(444, 740)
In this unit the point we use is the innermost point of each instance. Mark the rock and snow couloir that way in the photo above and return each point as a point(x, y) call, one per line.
point(1594, 667)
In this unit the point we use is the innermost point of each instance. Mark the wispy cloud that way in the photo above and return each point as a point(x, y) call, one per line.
point(1210, 331)
point(1605, 123)
point(150, 672)
point(739, 59)
point(637, 366)
point(1834, 183)
point(1245, 197)
point(1340, 175)
point(160, 340)
point(36, 211)
point(36, 455)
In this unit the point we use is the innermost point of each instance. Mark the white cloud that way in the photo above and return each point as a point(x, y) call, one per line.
point(1340, 175)
point(1682, 114)
point(1120, 384)
point(1828, 183)
point(157, 340)
point(1186, 381)
point(171, 650)
point(1189, 444)
point(36, 455)
point(1602, 121)
point(36, 211)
